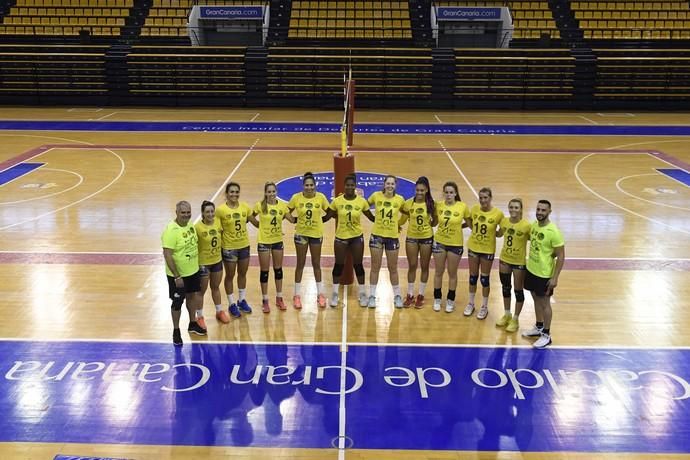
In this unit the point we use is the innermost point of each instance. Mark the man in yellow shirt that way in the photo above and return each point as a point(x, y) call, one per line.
point(544, 265)
point(181, 253)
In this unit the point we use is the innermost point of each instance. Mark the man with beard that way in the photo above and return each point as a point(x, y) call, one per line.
point(544, 265)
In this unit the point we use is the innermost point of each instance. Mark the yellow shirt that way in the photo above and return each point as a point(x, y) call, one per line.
point(543, 241)
point(450, 220)
point(209, 241)
point(271, 223)
point(483, 237)
point(234, 223)
point(183, 242)
point(349, 214)
point(419, 225)
point(309, 214)
point(387, 212)
point(515, 236)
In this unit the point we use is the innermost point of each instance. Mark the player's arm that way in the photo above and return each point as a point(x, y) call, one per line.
point(434, 219)
point(251, 218)
point(499, 231)
point(329, 215)
point(559, 254)
point(292, 219)
point(369, 214)
point(467, 223)
point(170, 262)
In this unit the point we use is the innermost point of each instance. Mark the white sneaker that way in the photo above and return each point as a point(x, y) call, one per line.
point(363, 300)
point(543, 341)
point(469, 309)
point(533, 332)
point(437, 305)
point(483, 312)
point(450, 306)
point(372, 302)
point(398, 302)
point(334, 299)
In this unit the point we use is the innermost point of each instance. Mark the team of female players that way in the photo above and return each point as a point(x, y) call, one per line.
point(388, 211)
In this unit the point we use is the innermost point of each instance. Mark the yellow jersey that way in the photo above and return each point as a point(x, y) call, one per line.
point(387, 214)
point(234, 223)
point(483, 237)
point(515, 236)
point(209, 241)
point(271, 222)
point(185, 251)
point(309, 214)
point(543, 241)
point(450, 220)
point(349, 214)
point(419, 226)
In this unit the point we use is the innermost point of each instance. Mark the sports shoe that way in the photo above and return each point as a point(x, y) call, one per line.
point(222, 316)
point(194, 328)
point(363, 300)
point(235, 310)
point(437, 305)
point(297, 302)
point(409, 301)
point(372, 302)
point(483, 312)
point(265, 307)
point(244, 306)
point(469, 309)
point(201, 322)
point(321, 301)
point(504, 320)
point(533, 332)
point(177, 338)
point(543, 341)
point(450, 306)
point(334, 300)
point(280, 304)
point(398, 301)
point(419, 303)
point(513, 325)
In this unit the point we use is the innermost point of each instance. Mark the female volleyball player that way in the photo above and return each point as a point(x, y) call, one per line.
point(310, 206)
point(271, 213)
point(481, 249)
point(421, 213)
point(515, 232)
point(349, 238)
point(209, 232)
point(234, 215)
point(452, 216)
point(384, 236)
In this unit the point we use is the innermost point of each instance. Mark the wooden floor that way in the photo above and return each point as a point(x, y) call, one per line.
point(113, 200)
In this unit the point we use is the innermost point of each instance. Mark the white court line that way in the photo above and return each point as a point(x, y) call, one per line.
point(658, 222)
point(232, 173)
point(438, 119)
point(343, 380)
point(81, 179)
point(255, 116)
point(105, 116)
point(459, 170)
point(588, 119)
point(85, 109)
point(122, 171)
point(669, 163)
point(658, 203)
point(351, 344)
point(616, 115)
point(46, 137)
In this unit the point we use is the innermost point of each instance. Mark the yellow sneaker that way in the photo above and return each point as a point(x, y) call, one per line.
point(513, 325)
point(504, 320)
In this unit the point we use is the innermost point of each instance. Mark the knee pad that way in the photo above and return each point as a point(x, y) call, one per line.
point(505, 284)
point(484, 279)
point(177, 303)
point(337, 270)
point(263, 276)
point(473, 280)
point(519, 295)
point(359, 269)
point(278, 272)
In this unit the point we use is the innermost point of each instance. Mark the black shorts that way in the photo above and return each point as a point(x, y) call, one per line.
point(513, 266)
point(349, 241)
point(481, 255)
point(265, 247)
point(192, 283)
point(420, 241)
point(537, 285)
point(302, 240)
point(205, 270)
